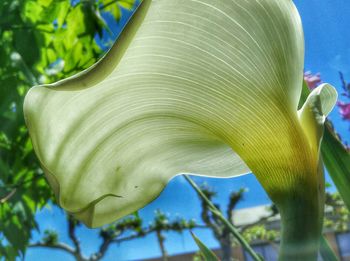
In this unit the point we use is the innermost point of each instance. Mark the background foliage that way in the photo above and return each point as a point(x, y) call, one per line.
point(41, 41)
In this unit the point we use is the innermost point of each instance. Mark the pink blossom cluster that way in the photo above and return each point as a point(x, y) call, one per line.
point(344, 110)
point(344, 107)
point(312, 80)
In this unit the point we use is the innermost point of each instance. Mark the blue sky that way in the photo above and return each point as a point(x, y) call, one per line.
point(326, 25)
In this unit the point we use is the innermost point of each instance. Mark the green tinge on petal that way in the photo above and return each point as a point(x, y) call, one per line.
point(191, 86)
point(318, 105)
point(312, 118)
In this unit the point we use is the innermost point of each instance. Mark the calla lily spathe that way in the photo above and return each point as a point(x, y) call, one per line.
point(191, 86)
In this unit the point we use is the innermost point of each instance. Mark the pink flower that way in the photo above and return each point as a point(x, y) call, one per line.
point(344, 110)
point(312, 80)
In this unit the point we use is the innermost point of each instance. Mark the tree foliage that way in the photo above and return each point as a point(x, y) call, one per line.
point(41, 41)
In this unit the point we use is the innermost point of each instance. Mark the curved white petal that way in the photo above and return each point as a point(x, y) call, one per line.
point(188, 83)
point(318, 105)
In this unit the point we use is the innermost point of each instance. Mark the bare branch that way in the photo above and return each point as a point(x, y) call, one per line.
point(145, 233)
point(8, 196)
point(103, 249)
point(235, 197)
point(60, 246)
point(161, 240)
point(138, 235)
point(72, 236)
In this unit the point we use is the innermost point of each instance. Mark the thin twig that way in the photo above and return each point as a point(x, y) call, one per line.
point(61, 246)
point(8, 196)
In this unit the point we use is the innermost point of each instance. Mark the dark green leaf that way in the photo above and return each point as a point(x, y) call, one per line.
point(337, 160)
point(207, 254)
point(327, 252)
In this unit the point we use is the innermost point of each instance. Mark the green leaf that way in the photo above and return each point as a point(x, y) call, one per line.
point(13, 222)
point(31, 11)
point(337, 160)
point(114, 10)
point(51, 55)
point(75, 23)
point(62, 13)
point(29, 52)
point(207, 254)
point(127, 4)
point(326, 251)
point(114, 7)
point(28, 38)
point(8, 252)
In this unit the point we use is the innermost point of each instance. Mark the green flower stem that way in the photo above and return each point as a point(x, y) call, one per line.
point(229, 225)
point(301, 219)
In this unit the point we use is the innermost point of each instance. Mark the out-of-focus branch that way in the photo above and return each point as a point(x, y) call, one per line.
point(71, 232)
point(235, 197)
point(8, 196)
point(50, 240)
point(138, 235)
point(111, 235)
point(59, 246)
point(161, 239)
point(143, 234)
point(102, 250)
point(206, 215)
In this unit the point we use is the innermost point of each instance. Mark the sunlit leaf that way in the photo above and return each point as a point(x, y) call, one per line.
point(62, 13)
point(127, 4)
point(114, 10)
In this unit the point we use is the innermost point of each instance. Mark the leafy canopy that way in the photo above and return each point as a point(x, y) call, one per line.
point(41, 41)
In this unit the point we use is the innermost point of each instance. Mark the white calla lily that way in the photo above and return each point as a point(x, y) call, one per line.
point(191, 86)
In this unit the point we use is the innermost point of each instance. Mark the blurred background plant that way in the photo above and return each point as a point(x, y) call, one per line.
point(127, 229)
point(344, 103)
point(41, 41)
